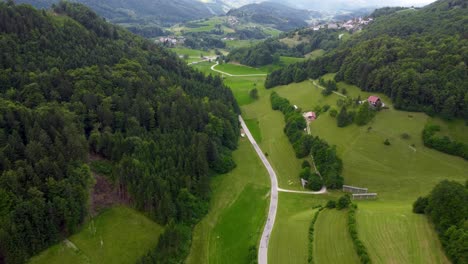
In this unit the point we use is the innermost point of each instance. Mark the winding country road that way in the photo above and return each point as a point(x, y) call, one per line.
point(263, 248)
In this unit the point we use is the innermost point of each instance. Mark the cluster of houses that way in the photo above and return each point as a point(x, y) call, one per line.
point(171, 40)
point(350, 25)
point(232, 20)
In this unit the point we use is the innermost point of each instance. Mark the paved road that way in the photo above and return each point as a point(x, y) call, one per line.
point(322, 191)
point(263, 248)
point(235, 75)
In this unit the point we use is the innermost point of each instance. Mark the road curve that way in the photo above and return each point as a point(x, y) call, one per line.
point(263, 248)
point(235, 75)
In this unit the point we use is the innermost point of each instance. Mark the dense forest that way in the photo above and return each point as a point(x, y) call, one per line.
point(418, 58)
point(72, 84)
point(447, 208)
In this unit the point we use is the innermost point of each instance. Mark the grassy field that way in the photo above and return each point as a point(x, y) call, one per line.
point(399, 173)
point(315, 54)
point(332, 242)
point(254, 128)
point(394, 234)
point(237, 69)
point(126, 236)
point(237, 213)
point(289, 241)
point(454, 129)
point(237, 43)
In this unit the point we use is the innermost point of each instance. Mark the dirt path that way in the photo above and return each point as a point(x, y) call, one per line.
point(235, 75)
point(323, 88)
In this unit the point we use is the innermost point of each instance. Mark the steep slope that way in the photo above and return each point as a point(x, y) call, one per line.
point(71, 84)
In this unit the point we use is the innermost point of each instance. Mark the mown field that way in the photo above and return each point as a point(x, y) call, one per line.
point(289, 241)
point(237, 213)
point(238, 69)
point(392, 233)
point(332, 242)
point(399, 173)
point(118, 235)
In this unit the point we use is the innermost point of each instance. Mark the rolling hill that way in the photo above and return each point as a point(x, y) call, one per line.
point(277, 15)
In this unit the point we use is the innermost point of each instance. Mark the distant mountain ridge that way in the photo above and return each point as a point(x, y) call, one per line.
point(161, 12)
point(279, 16)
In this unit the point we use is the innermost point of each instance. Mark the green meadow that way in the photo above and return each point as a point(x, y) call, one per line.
point(238, 69)
point(118, 235)
point(238, 209)
point(332, 242)
point(289, 241)
point(315, 54)
point(399, 173)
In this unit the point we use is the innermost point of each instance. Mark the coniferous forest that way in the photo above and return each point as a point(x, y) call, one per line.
point(73, 85)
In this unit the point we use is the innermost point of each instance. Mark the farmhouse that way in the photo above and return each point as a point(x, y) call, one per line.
point(374, 101)
point(311, 116)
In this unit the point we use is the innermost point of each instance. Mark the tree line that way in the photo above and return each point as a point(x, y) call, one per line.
point(444, 144)
point(72, 84)
point(327, 161)
point(446, 206)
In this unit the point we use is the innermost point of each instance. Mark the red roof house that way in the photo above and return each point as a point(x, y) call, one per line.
point(311, 116)
point(374, 100)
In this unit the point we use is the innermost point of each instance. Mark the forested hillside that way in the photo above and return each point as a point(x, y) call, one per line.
point(418, 58)
point(270, 50)
point(72, 84)
point(142, 11)
point(277, 15)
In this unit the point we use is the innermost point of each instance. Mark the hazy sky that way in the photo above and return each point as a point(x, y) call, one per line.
point(346, 4)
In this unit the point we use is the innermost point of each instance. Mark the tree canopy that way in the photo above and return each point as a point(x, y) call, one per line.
point(72, 84)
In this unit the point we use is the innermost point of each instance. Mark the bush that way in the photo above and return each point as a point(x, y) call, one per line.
point(315, 183)
point(343, 202)
point(253, 255)
point(387, 142)
point(331, 204)
point(305, 164)
point(333, 112)
point(405, 136)
point(419, 206)
point(254, 93)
